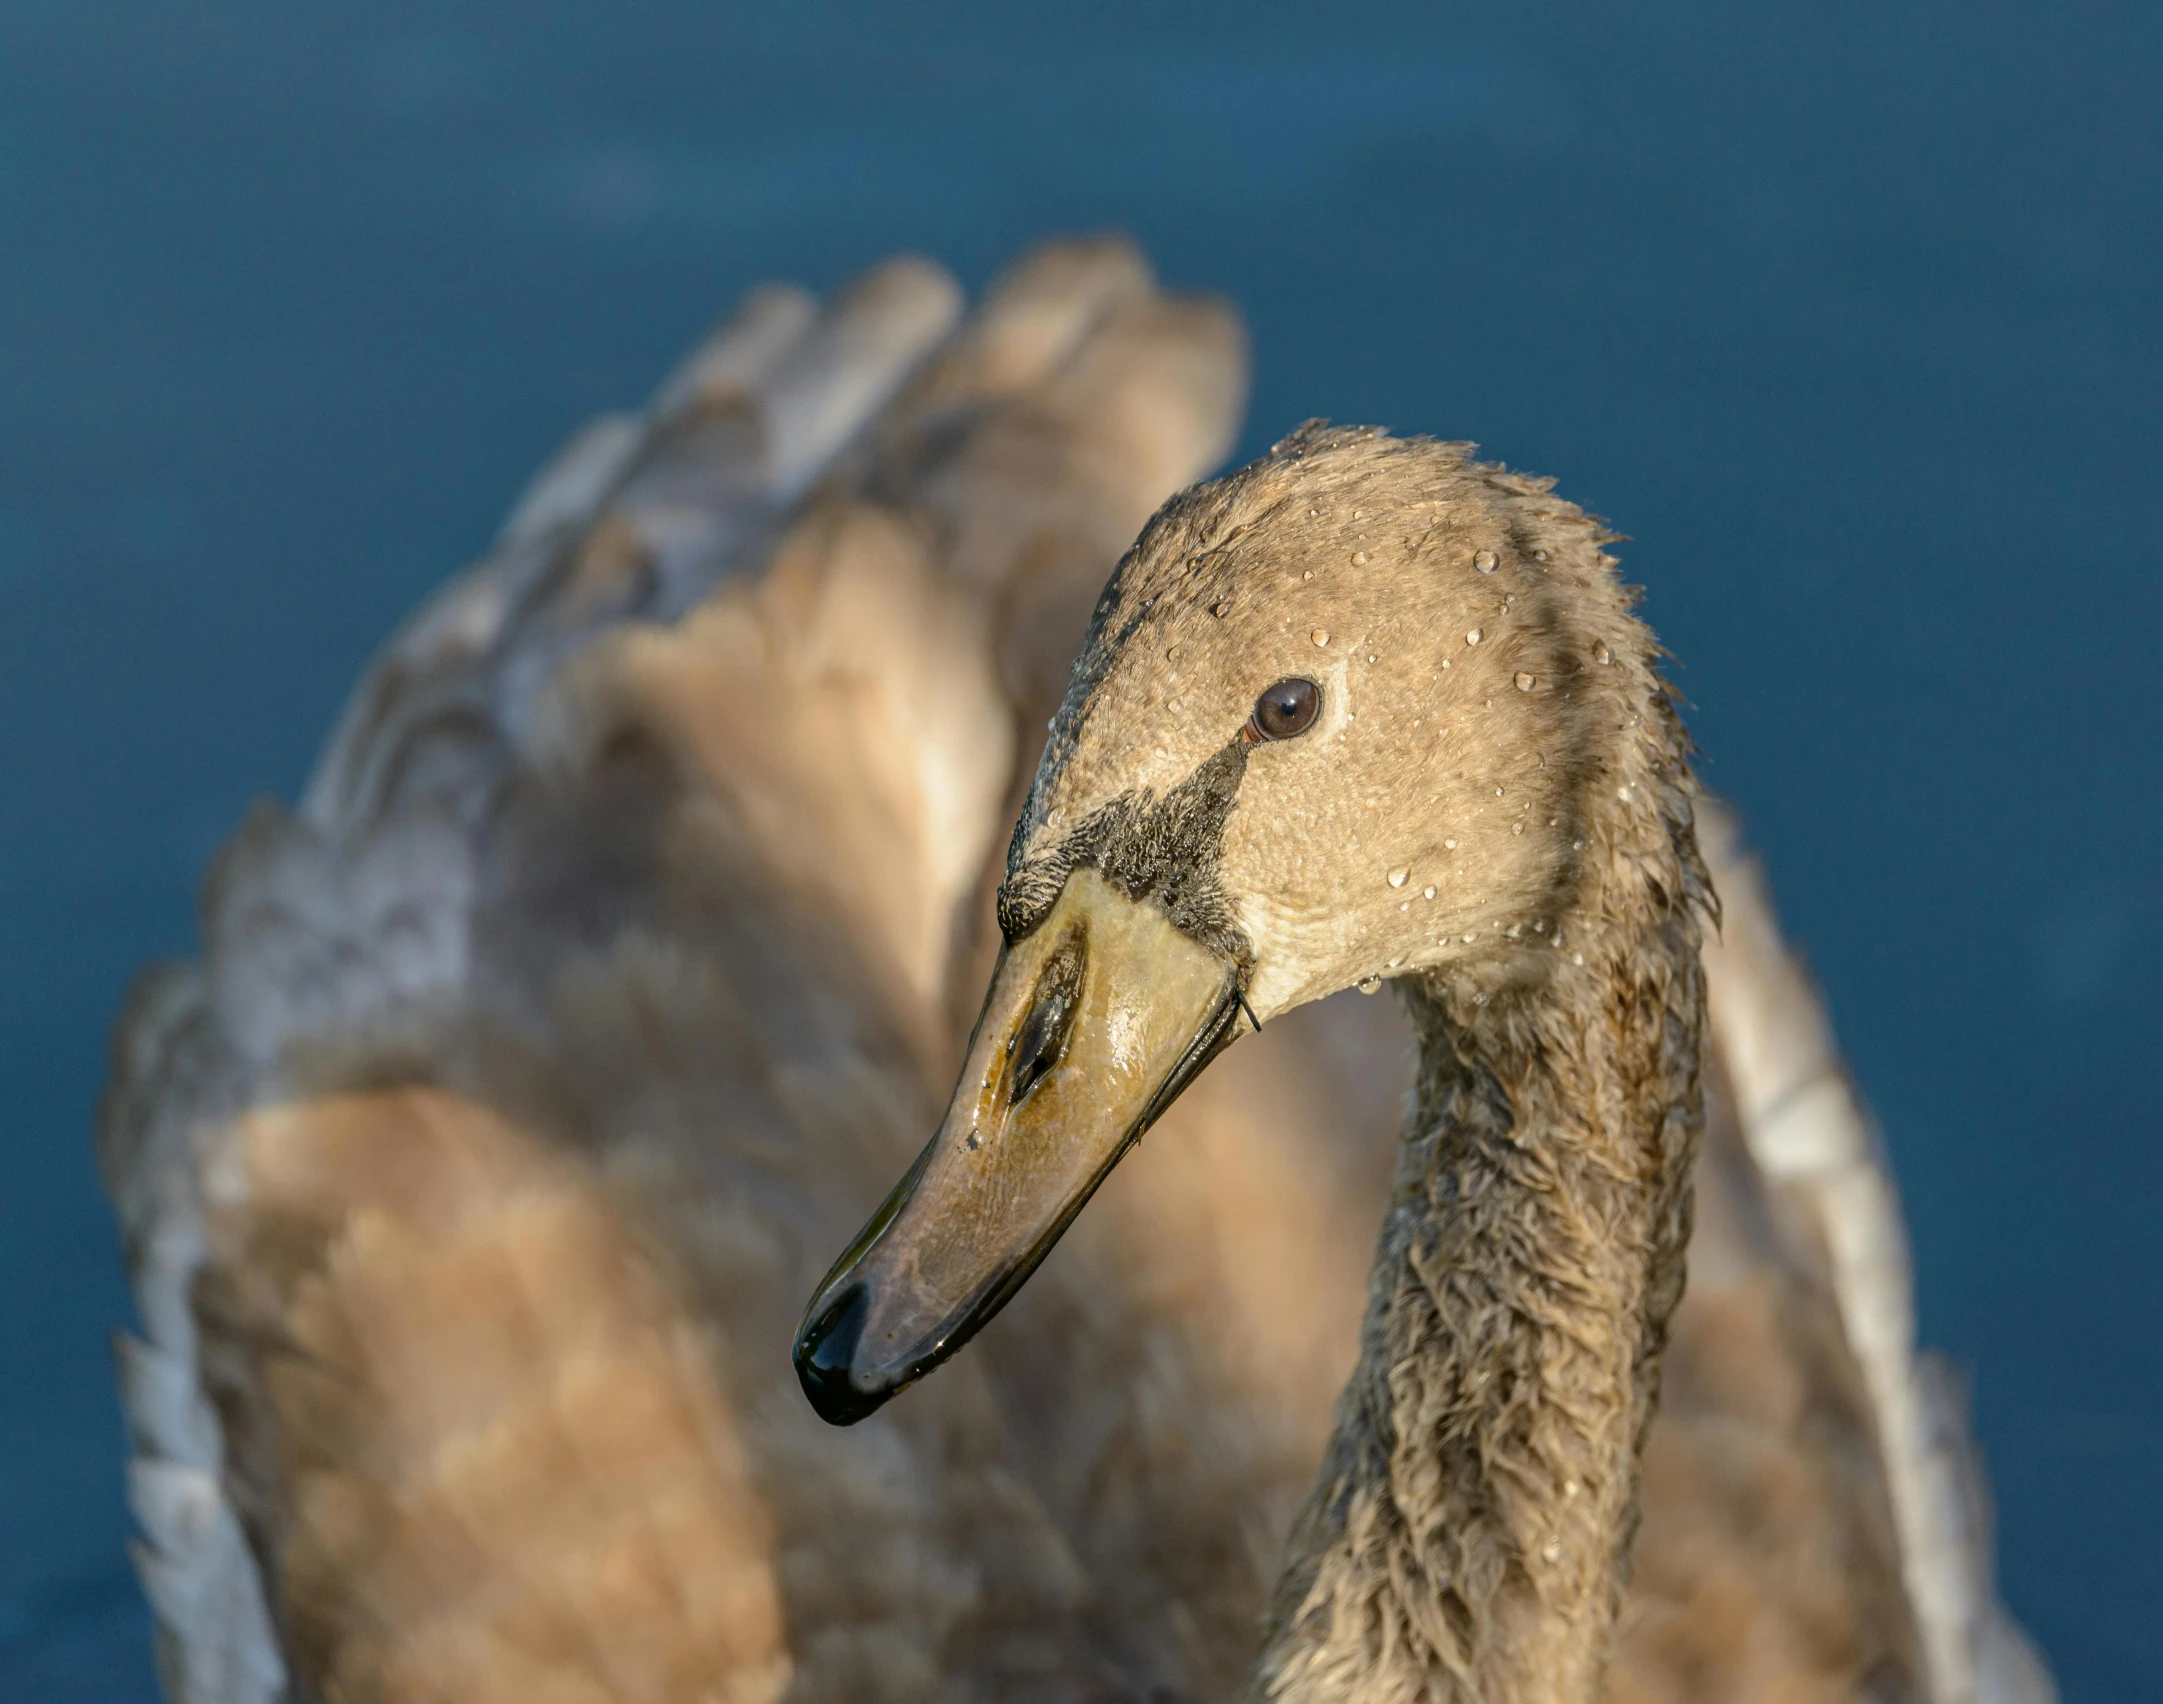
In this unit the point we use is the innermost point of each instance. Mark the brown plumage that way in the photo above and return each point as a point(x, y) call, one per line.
point(621, 950)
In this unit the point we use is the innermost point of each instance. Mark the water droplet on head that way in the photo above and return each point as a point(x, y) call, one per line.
point(1553, 1552)
point(1359, 559)
point(1370, 985)
point(1427, 893)
point(1308, 575)
point(1603, 655)
point(1569, 1488)
point(1398, 875)
point(1485, 561)
point(1473, 638)
point(1320, 636)
point(1451, 844)
point(1525, 682)
point(1220, 609)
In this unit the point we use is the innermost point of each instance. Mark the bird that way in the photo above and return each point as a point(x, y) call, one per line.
point(627, 938)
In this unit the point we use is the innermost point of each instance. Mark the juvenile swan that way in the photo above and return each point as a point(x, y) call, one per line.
point(624, 945)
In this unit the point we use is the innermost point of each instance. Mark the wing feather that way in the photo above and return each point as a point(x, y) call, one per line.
point(532, 1056)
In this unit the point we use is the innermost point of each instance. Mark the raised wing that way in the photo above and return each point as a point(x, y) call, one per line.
point(470, 1181)
point(1814, 1515)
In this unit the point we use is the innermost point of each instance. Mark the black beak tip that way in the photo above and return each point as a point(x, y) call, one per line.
point(826, 1359)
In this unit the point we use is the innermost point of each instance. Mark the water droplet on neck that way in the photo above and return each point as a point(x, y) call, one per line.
point(1525, 682)
point(1359, 559)
point(1451, 844)
point(1220, 609)
point(1398, 875)
point(1426, 893)
point(1320, 636)
point(1370, 985)
point(1485, 561)
point(1603, 655)
point(1473, 638)
point(1308, 575)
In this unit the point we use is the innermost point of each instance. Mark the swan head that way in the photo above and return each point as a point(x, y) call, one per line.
point(1354, 712)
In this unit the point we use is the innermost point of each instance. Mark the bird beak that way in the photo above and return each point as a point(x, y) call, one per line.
point(1095, 1021)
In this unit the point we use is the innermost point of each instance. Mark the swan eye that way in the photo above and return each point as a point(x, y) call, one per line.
point(1285, 711)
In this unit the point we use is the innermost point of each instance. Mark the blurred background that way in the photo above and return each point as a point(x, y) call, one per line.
point(1848, 313)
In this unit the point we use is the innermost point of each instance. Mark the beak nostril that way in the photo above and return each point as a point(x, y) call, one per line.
point(1038, 1045)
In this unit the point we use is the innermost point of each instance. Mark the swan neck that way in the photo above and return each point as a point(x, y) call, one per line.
point(1469, 1536)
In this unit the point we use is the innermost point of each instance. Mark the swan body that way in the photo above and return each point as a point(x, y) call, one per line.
point(630, 931)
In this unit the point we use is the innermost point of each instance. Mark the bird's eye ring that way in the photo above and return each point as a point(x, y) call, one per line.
point(1285, 711)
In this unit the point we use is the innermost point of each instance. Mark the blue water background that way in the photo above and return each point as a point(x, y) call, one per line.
point(1847, 311)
